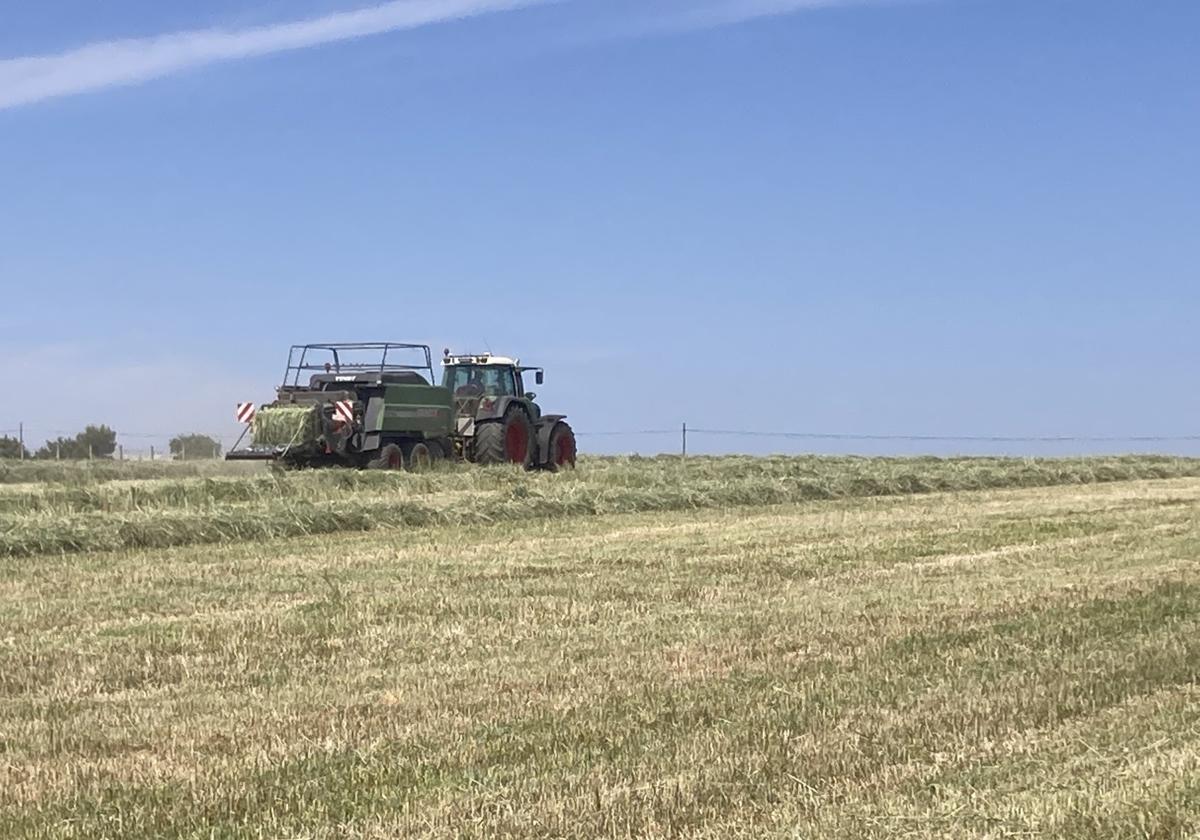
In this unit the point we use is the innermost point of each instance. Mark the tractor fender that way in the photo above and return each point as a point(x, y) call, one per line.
point(543, 430)
point(501, 408)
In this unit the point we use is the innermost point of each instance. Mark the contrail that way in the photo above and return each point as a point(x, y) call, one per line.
point(734, 11)
point(126, 62)
point(723, 12)
point(669, 16)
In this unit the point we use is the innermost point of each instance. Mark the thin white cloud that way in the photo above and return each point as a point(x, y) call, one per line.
point(713, 13)
point(721, 12)
point(126, 62)
point(668, 16)
point(107, 64)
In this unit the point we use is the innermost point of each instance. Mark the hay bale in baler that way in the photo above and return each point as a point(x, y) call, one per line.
point(287, 425)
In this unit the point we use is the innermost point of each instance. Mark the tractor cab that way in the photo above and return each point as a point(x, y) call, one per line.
point(487, 375)
point(496, 419)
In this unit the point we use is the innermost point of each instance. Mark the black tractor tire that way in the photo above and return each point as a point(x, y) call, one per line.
point(418, 456)
point(507, 441)
point(391, 457)
point(437, 449)
point(562, 451)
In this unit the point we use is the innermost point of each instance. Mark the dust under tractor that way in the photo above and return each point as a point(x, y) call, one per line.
point(374, 405)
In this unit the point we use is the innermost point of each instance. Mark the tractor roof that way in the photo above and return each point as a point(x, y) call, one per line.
point(480, 359)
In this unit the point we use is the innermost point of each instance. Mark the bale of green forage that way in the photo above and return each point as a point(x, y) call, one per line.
point(287, 425)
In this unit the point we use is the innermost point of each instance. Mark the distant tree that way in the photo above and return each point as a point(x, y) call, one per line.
point(12, 448)
point(92, 442)
point(193, 447)
point(60, 448)
point(97, 442)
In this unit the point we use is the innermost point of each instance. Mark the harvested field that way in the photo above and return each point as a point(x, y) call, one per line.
point(728, 648)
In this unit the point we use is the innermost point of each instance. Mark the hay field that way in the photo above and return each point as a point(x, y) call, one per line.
point(728, 648)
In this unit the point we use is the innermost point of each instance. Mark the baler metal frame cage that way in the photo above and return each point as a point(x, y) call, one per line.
point(298, 360)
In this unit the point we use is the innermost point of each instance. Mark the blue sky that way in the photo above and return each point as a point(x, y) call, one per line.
point(949, 217)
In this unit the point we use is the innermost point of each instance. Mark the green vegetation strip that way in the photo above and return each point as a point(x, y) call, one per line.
point(103, 517)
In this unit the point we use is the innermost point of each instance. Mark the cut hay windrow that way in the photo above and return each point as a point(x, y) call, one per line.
point(204, 493)
point(211, 511)
point(285, 425)
point(104, 470)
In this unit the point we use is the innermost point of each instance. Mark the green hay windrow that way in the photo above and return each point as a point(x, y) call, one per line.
point(60, 520)
point(285, 426)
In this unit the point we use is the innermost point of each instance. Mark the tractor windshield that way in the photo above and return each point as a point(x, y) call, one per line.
point(480, 380)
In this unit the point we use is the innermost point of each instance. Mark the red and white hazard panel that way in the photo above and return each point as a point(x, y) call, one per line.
point(343, 412)
point(245, 412)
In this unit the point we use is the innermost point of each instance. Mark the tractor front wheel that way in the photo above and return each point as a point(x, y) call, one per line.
point(509, 441)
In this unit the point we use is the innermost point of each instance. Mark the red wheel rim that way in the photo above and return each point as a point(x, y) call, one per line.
point(395, 460)
point(419, 458)
point(564, 451)
point(516, 443)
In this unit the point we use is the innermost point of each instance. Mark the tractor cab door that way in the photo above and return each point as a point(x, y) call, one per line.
point(535, 412)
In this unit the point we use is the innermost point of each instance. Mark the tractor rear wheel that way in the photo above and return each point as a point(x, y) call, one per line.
point(509, 441)
point(418, 456)
point(391, 457)
point(562, 448)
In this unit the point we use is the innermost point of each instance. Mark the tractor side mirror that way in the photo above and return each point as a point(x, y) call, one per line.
point(540, 377)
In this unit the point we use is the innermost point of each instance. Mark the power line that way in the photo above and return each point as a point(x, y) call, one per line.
point(628, 433)
point(951, 438)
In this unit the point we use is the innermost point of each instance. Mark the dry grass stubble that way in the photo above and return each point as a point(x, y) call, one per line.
point(1003, 663)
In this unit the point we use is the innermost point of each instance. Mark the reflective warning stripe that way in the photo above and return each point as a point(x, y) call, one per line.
point(245, 412)
point(343, 411)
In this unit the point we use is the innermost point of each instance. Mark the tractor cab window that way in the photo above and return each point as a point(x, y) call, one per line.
point(481, 380)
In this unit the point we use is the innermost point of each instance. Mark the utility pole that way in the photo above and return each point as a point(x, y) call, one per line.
point(685, 440)
point(21, 440)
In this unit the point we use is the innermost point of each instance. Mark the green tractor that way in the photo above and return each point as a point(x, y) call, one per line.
point(374, 405)
point(497, 420)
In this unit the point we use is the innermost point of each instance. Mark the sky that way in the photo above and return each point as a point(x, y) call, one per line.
point(960, 218)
